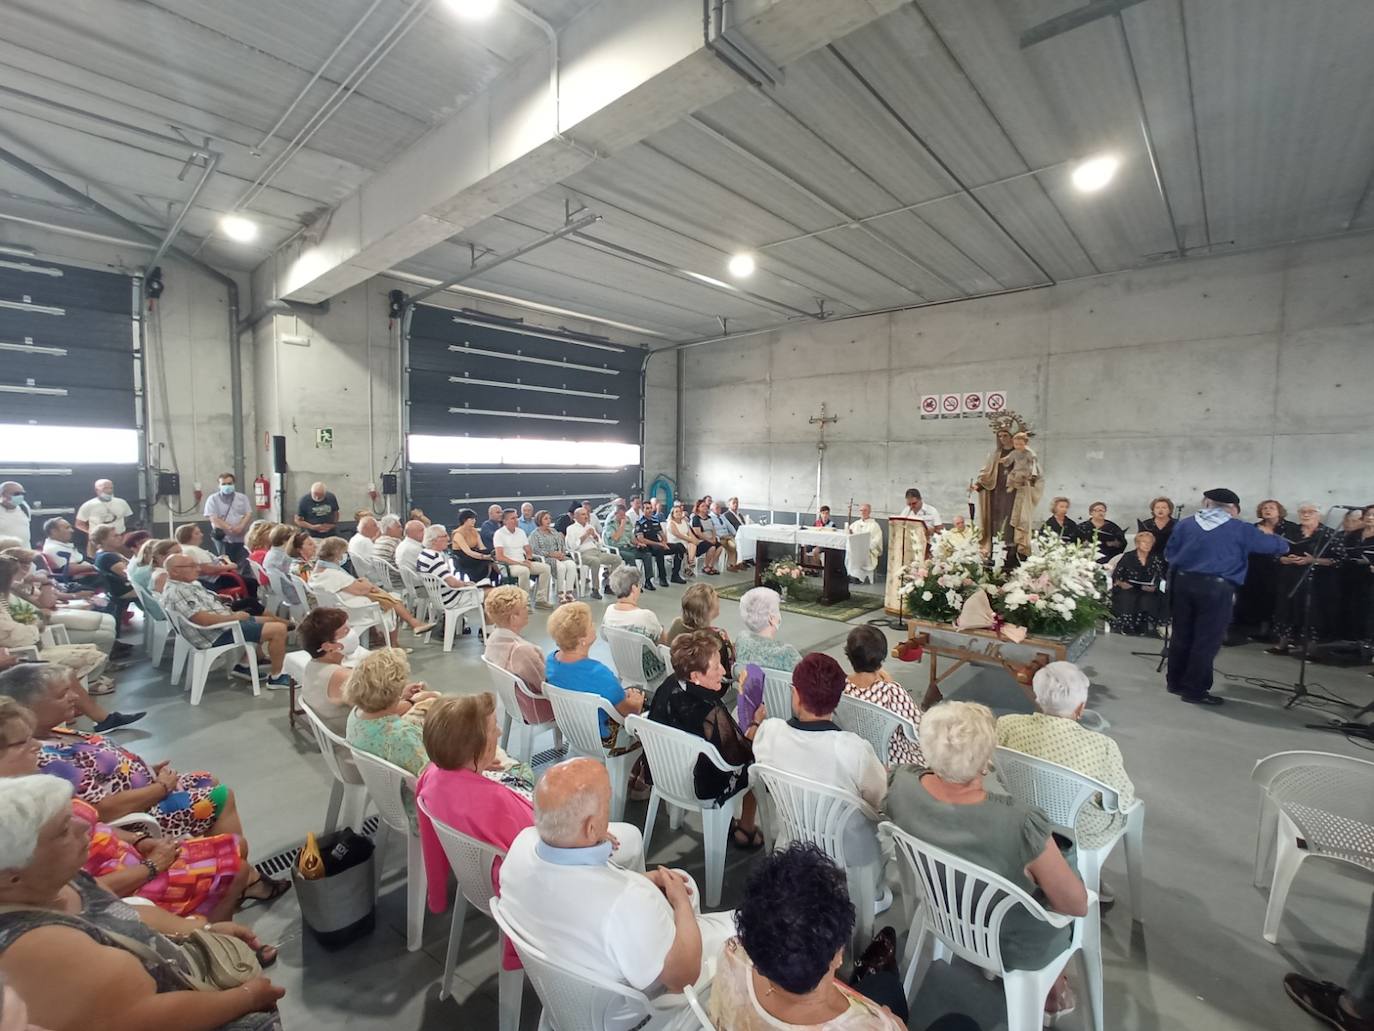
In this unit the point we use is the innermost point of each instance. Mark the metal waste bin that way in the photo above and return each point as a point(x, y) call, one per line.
point(341, 908)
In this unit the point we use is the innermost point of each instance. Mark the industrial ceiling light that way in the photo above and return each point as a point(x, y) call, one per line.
point(474, 10)
point(1093, 174)
point(741, 265)
point(238, 228)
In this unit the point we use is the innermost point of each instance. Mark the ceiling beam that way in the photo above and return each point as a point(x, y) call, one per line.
point(1070, 20)
point(628, 69)
point(1143, 118)
point(1192, 113)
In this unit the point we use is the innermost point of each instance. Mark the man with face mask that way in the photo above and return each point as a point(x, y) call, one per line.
point(103, 510)
point(230, 514)
point(15, 518)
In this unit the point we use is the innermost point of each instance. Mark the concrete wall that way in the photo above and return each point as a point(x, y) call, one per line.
point(188, 352)
point(1250, 371)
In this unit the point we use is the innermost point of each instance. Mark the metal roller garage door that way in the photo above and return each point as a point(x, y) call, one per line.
point(501, 412)
point(70, 383)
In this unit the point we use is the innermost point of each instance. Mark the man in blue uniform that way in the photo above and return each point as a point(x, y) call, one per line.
point(1208, 556)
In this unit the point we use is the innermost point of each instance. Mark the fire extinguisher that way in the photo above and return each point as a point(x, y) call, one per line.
point(261, 493)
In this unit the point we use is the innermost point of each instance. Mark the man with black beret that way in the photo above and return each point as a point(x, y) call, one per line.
point(1208, 556)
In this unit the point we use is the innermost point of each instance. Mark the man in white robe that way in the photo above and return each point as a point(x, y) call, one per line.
point(867, 524)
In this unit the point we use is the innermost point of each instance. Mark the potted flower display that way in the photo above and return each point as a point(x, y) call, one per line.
point(784, 575)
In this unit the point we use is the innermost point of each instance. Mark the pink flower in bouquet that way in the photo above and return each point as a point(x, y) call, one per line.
point(1033, 597)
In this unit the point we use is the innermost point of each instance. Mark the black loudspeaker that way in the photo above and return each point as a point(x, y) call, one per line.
point(168, 485)
point(279, 454)
point(389, 484)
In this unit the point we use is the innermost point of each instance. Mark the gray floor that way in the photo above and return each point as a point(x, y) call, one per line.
point(1197, 961)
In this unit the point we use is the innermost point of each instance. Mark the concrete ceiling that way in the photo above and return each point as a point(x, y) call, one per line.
point(922, 158)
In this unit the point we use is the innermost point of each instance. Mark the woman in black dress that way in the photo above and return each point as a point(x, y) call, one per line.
point(1111, 539)
point(1256, 598)
point(474, 561)
point(1138, 605)
point(1059, 522)
point(1161, 522)
point(1306, 541)
point(1357, 581)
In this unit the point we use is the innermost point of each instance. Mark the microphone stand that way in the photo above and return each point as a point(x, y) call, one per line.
point(1163, 653)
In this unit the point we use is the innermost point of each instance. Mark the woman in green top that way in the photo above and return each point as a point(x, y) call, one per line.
point(947, 806)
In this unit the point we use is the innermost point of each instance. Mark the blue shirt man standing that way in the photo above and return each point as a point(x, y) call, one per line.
point(1208, 556)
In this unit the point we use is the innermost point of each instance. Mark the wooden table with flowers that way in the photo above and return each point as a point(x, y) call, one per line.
point(964, 608)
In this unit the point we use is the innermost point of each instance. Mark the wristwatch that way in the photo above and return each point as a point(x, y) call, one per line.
point(152, 869)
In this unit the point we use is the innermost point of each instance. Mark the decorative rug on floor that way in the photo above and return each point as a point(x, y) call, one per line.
point(842, 612)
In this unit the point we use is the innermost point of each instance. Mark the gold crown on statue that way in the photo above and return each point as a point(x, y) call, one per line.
point(1008, 421)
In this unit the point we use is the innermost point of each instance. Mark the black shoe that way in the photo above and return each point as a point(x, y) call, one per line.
point(677, 580)
point(115, 720)
point(120, 650)
point(649, 585)
point(1322, 999)
point(662, 582)
point(596, 595)
point(1203, 699)
point(1173, 690)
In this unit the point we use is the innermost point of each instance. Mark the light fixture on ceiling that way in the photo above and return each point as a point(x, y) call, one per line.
point(238, 228)
point(741, 265)
point(1091, 175)
point(474, 10)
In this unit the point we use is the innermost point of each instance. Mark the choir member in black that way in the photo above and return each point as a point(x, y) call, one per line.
point(1357, 581)
point(1111, 539)
point(1255, 600)
point(1161, 522)
point(1306, 540)
point(1138, 605)
point(1059, 522)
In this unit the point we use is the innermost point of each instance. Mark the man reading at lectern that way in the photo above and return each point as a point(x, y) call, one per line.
point(918, 509)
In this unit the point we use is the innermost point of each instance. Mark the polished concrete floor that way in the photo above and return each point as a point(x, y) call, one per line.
point(1196, 961)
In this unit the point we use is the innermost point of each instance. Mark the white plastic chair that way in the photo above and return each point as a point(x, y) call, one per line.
point(471, 861)
point(697, 1004)
point(672, 755)
point(873, 723)
point(806, 810)
point(348, 794)
point(575, 999)
point(360, 617)
point(1326, 800)
point(387, 786)
point(416, 593)
point(577, 714)
point(1062, 793)
point(197, 660)
point(627, 655)
point(469, 599)
point(777, 692)
point(965, 906)
point(393, 581)
point(584, 575)
point(517, 735)
point(156, 630)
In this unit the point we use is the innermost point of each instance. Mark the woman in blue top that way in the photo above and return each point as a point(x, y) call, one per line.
point(569, 667)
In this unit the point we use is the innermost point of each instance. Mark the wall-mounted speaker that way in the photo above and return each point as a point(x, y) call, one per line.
point(278, 454)
point(389, 484)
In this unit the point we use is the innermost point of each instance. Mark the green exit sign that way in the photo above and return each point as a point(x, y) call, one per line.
point(324, 436)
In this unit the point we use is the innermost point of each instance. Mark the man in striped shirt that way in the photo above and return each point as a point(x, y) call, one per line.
point(433, 560)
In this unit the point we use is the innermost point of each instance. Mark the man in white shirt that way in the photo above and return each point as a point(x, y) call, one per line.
point(65, 555)
point(384, 547)
point(103, 510)
point(867, 524)
point(513, 550)
point(918, 509)
point(585, 539)
point(409, 547)
point(811, 745)
point(563, 891)
point(15, 518)
point(230, 513)
point(360, 545)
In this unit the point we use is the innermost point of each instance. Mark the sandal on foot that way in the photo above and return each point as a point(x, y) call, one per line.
point(270, 889)
point(748, 841)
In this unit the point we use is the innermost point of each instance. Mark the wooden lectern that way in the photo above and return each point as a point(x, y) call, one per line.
point(907, 541)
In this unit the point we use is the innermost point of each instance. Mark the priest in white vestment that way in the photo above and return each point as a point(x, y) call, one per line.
point(867, 524)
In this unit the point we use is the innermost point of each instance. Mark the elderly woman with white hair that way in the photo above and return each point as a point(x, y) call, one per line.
point(625, 613)
point(1307, 539)
point(761, 614)
point(1055, 733)
point(946, 806)
point(79, 956)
